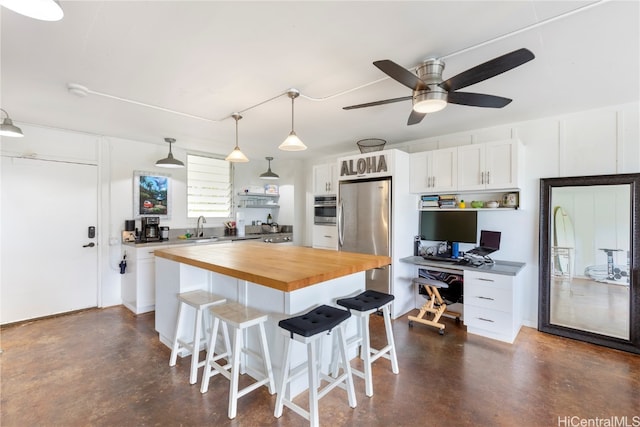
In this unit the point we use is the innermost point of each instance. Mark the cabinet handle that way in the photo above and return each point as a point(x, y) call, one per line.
point(485, 320)
point(434, 181)
point(328, 237)
point(488, 178)
point(481, 177)
point(481, 297)
point(485, 280)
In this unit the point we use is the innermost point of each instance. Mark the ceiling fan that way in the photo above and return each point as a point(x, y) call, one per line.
point(431, 93)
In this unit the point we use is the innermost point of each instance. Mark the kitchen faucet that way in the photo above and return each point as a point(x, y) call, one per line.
point(200, 226)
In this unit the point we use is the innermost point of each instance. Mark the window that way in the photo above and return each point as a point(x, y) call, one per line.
point(208, 187)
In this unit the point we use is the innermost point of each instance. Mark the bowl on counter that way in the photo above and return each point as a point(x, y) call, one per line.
point(492, 205)
point(476, 204)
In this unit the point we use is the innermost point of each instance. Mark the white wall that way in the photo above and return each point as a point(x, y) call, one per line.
point(594, 142)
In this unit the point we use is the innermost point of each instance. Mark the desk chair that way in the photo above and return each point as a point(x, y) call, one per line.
point(435, 305)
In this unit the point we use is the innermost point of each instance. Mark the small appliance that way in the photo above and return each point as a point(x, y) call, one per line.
point(164, 233)
point(150, 229)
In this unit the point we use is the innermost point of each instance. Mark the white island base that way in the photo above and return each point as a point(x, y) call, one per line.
point(174, 277)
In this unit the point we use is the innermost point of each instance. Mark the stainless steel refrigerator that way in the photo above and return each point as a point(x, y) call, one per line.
point(364, 224)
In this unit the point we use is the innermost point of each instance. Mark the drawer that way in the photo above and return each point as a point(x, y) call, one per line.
point(498, 322)
point(325, 236)
point(489, 297)
point(490, 280)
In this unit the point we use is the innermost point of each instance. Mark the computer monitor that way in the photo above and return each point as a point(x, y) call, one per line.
point(449, 226)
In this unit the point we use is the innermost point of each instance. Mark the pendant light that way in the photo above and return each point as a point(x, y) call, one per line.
point(268, 174)
point(236, 156)
point(169, 162)
point(7, 128)
point(292, 143)
point(44, 10)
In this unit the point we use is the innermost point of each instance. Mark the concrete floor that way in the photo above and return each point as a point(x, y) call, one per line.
point(106, 367)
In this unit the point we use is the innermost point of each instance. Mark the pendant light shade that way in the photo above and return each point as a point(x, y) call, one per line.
point(236, 156)
point(292, 143)
point(170, 162)
point(268, 174)
point(7, 128)
point(44, 10)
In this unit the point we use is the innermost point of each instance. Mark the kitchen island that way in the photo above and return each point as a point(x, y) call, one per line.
point(280, 280)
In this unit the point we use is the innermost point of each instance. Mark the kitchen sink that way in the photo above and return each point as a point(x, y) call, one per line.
point(202, 239)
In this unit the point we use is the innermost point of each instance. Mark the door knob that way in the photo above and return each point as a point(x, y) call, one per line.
point(89, 245)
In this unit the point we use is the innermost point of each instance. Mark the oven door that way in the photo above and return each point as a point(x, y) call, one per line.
point(324, 214)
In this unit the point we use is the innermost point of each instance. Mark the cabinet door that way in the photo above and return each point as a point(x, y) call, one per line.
point(471, 167)
point(501, 164)
point(332, 178)
point(146, 289)
point(320, 175)
point(444, 169)
point(419, 172)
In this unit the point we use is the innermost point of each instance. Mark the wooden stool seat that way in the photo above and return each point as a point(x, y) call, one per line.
point(198, 300)
point(239, 317)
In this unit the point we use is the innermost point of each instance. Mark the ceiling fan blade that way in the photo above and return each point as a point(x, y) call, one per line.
point(488, 69)
point(415, 117)
point(373, 104)
point(401, 74)
point(477, 99)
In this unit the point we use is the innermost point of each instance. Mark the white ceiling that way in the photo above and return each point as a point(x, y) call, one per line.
point(210, 59)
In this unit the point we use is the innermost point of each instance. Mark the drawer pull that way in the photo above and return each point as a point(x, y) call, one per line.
point(490, 299)
point(485, 280)
point(485, 320)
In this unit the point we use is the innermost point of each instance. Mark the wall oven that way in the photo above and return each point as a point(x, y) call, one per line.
point(324, 210)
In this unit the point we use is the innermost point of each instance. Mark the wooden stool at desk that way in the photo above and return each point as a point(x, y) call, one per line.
point(431, 287)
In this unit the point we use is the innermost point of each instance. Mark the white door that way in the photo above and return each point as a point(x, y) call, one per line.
point(49, 264)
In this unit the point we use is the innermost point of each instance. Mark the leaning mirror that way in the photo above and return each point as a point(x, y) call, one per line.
point(588, 270)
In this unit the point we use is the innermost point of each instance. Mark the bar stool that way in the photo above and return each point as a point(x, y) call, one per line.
point(362, 306)
point(308, 329)
point(239, 317)
point(198, 300)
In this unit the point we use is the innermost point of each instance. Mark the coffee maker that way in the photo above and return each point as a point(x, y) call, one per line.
point(150, 229)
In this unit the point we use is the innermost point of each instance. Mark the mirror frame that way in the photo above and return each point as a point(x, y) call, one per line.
point(544, 261)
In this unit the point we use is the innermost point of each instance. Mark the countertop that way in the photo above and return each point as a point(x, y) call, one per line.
point(506, 268)
point(204, 240)
point(281, 267)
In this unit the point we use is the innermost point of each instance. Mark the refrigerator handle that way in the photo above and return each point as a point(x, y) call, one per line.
point(340, 220)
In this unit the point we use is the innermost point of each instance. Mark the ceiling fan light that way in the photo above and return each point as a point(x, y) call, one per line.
point(292, 143)
point(170, 161)
point(429, 101)
point(43, 10)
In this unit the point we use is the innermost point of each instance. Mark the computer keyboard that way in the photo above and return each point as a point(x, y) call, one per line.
point(439, 258)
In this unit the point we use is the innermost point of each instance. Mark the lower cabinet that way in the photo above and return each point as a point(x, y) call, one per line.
point(492, 305)
point(325, 237)
point(138, 282)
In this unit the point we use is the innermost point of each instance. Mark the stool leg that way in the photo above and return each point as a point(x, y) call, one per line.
point(351, 392)
point(266, 359)
point(284, 379)
point(174, 348)
point(235, 374)
point(313, 386)
point(208, 369)
point(390, 341)
point(195, 352)
point(366, 355)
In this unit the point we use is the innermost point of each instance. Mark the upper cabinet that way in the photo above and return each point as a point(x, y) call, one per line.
point(493, 165)
point(325, 178)
point(489, 166)
point(434, 171)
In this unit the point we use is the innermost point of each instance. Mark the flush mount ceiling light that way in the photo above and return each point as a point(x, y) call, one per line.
point(44, 10)
point(7, 128)
point(268, 174)
point(236, 156)
point(292, 143)
point(170, 162)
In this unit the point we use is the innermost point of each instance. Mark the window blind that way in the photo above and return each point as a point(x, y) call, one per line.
point(208, 187)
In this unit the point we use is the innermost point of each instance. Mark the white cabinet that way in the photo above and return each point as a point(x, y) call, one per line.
point(325, 237)
point(489, 166)
point(492, 305)
point(325, 179)
point(434, 171)
point(138, 282)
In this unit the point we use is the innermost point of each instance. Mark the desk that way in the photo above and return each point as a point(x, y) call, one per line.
point(493, 295)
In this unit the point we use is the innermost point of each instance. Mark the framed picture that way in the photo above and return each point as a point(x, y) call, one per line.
point(151, 194)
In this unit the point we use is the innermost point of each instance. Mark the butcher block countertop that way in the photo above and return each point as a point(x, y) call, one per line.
point(281, 267)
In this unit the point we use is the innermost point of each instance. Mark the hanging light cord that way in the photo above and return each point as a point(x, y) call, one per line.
point(82, 90)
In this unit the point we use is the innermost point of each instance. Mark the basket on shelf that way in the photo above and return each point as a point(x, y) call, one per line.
point(371, 144)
